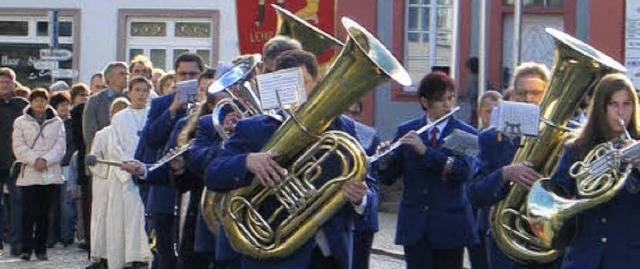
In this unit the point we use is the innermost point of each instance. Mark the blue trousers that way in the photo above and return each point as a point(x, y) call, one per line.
point(69, 213)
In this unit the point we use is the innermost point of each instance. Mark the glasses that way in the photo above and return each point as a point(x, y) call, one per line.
point(188, 74)
point(524, 93)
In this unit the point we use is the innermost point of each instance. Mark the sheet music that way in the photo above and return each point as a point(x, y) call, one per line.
point(462, 142)
point(516, 118)
point(287, 83)
point(188, 90)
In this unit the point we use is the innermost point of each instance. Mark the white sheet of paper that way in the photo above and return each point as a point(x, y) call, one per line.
point(462, 142)
point(188, 90)
point(287, 83)
point(516, 114)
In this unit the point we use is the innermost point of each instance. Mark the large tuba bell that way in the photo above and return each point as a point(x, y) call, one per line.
point(312, 39)
point(303, 207)
point(578, 67)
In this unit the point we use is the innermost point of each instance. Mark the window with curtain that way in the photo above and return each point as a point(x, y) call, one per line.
point(428, 37)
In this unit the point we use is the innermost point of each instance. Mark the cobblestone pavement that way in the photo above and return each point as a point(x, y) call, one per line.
point(70, 257)
point(385, 254)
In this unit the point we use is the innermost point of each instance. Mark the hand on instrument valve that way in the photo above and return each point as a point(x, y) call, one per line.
point(133, 167)
point(267, 170)
point(412, 139)
point(354, 190)
point(520, 174)
point(230, 121)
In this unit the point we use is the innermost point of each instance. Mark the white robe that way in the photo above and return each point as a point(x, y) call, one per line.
point(100, 194)
point(128, 240)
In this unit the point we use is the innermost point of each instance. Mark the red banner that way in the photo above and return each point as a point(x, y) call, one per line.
point(257, 19)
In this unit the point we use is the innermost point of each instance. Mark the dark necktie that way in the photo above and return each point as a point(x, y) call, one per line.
point(434, 136)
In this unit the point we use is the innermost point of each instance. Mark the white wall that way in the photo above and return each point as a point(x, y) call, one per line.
point(99, 25)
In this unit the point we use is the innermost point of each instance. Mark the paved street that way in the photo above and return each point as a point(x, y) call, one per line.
point(73, 258)
point(59, 258)
point(386, 255)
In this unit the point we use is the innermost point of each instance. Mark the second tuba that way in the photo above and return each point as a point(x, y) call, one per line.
point(577, 69)
point(302, 206)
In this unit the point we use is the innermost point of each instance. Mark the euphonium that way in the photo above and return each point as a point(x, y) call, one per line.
point(599, 177)
point(578, 67)
point(241, 98)
point(363, 64)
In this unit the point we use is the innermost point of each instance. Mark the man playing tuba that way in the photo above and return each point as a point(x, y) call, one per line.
point(494, 168)
point(241, 161)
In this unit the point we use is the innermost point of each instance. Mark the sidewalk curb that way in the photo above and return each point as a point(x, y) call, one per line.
point(392, 254)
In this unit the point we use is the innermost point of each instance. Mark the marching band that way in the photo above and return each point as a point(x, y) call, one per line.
point(224, 183)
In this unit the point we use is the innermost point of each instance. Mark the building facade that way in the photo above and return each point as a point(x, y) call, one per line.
point(97, 32)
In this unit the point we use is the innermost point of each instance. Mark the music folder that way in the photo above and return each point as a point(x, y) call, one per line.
point(516, 118)
point(283, 88)
point(462, 143)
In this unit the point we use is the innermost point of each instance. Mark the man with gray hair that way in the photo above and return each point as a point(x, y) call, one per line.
point(274, 47)
point(95, 117)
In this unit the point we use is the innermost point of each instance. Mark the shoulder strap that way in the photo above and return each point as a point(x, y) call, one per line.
point(37, 136)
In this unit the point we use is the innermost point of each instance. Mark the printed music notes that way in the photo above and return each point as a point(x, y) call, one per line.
point(284, 88)
point(462, 143)
point(516, 118)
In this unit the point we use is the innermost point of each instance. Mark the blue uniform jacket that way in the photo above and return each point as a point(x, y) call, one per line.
point(161, 195)
point(487, 186)
point(205, 148)
point(228, 171)
point(368, 222)
point(432, 206)
point(607, 235)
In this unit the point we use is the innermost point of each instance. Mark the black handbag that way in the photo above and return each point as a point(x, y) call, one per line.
point(16, 169)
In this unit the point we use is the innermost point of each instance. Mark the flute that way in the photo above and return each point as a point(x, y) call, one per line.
point(422, 129)
point(173, 153)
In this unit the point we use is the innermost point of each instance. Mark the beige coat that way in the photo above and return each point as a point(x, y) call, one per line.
point(50, 145)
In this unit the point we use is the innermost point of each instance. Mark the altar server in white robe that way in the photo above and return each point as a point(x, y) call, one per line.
point(100, 188)
point(125, 212)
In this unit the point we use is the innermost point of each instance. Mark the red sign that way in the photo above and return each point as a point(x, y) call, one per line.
point(257, 19)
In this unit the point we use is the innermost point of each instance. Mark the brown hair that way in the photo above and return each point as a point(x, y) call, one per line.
point(595, 132)
point(434, 85)
point(141, 79)
point(39, 92)
point(163, 80)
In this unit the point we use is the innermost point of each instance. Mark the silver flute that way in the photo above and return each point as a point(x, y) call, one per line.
point(422, 129)
point(173, 153)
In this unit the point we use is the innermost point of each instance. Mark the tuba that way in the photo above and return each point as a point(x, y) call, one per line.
point(303, 207)
point(311, 38)
point(577, 69)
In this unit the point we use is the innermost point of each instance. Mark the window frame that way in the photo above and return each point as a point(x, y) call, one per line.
point(126, 42)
